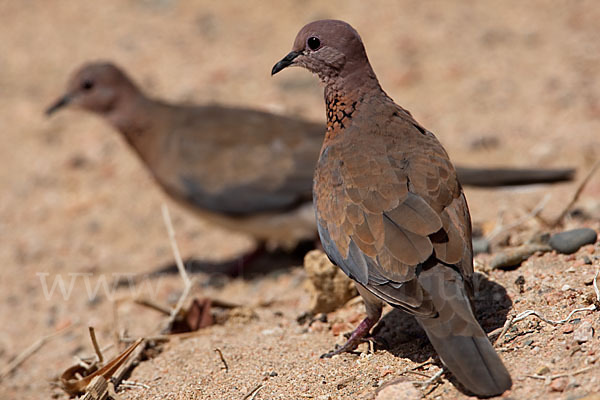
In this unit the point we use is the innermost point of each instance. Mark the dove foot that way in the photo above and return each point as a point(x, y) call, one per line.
point(356, 338)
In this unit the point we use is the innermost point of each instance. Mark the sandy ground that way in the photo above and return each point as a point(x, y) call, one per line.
point(500, 82)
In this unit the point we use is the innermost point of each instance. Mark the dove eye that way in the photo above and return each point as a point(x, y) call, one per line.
point(87, 84)
point(313, 43)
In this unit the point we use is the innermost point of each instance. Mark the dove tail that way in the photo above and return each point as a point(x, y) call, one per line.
point(472, 360)
point(458, 338)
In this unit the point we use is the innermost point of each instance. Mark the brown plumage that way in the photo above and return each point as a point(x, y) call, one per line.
point(390, 210)
point(244, 169)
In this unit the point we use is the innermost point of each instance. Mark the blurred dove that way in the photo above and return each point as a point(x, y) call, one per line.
point(246, 170)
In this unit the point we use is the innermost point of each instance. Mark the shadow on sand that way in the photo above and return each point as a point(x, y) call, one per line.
point(399, 333)
point(253, 265)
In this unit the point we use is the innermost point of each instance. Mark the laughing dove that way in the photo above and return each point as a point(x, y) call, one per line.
point(246, 170)
point(390, 210)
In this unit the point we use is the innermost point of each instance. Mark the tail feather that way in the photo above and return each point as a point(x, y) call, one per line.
point(457, 336)
point(473, 361)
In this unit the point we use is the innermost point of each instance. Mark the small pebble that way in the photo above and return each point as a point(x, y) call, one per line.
point(584, 332)
point(401, 390)
point(318, 326)
point(269, 332)
point(543, 370)
point(570, 241)
point(559, 385)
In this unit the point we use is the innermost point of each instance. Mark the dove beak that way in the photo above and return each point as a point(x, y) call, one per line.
point(58, 104)
point(285, 62)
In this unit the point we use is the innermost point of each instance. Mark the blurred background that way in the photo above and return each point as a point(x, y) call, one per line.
point(512, 83)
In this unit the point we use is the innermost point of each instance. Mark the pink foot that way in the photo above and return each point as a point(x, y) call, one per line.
point(355, 339)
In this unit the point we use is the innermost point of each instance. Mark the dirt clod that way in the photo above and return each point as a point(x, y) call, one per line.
point(329, 287)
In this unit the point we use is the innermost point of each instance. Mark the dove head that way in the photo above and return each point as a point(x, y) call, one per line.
point(96, 87)
point(331, 49)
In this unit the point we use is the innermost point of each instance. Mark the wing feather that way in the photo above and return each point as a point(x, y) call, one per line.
point(401, 209)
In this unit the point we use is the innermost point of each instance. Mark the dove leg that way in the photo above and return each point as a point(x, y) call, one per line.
point(373, 307)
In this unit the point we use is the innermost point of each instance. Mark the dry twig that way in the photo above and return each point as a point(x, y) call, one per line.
point(157, 338)
point(576, 194)
point(224, 304)
point(97, 389)
point(225, 366)
point(431, 381)
point(112, 392)
point(550, 378)
point(153, 305)
point(499, 229)
point(134, 384)
point(527, 313)
point(253, 392)
point(174, 248)
point(28, 352)
point(180, 267)
point(135, 357)
point(115, 324)
point(595, 282)
point(413, 370)
point(502, 331)
point(95, 344)
point(428, 362)
point(410, 371)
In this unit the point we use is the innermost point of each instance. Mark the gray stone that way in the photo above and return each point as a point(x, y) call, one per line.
point(570, 241)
